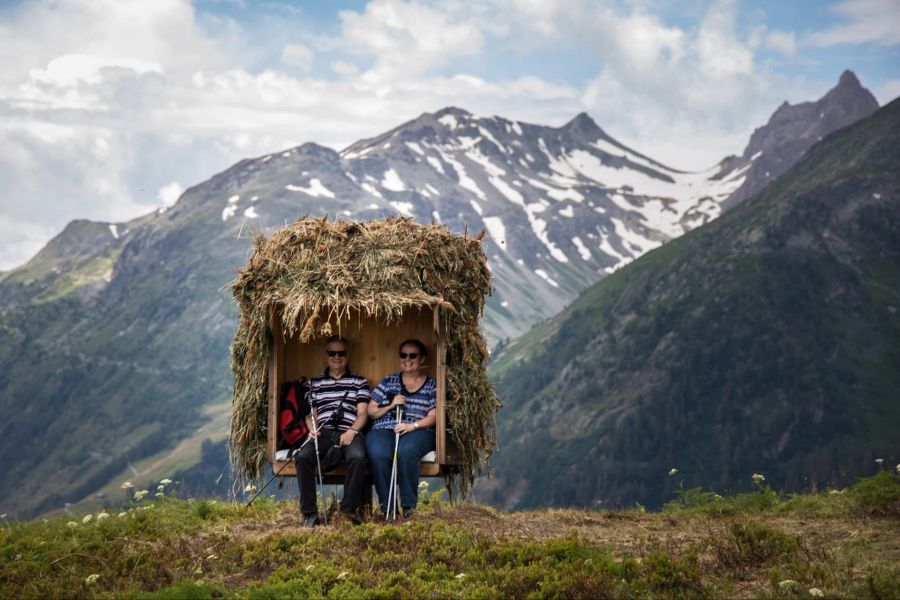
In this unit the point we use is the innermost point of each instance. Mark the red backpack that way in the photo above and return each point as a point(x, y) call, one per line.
point(294, 407)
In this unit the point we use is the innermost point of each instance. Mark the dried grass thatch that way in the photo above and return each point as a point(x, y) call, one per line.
point(315, 271)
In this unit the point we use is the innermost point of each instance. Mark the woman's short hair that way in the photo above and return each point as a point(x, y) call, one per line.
point(423, 349)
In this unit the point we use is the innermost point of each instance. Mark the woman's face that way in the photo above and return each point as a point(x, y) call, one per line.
point(410, 358)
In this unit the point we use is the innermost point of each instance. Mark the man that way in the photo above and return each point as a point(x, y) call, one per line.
point(339, 399)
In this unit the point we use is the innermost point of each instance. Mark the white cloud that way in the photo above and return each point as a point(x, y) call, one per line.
point(107, 101)
point(781, 41)
point(408, 38)
point(297, 55)
point(169, 193)
point(887, 91)
point(876, 21)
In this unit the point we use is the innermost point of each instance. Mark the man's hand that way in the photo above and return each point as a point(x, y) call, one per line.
point(347, 437)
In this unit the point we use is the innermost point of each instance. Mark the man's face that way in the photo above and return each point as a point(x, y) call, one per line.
point(337, 356)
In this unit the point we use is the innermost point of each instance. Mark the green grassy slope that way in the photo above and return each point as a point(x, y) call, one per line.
point(840, 544)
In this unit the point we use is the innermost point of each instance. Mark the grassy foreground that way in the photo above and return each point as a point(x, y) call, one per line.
point(763, 545)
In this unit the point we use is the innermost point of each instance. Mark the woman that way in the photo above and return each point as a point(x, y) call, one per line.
point(415, 393)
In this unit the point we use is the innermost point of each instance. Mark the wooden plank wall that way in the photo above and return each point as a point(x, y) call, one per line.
point(373, 354)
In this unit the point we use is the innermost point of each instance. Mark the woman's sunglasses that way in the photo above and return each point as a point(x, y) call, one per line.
point(334, 353)
point(412, 355)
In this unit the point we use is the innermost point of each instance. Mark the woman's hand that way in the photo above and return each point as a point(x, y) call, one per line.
point(402, 428)
point(398, 400)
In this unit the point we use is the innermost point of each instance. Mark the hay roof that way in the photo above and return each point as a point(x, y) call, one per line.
point(315, 271)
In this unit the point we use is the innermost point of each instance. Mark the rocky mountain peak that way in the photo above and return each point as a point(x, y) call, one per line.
point(794, 128)
point(459, 113)
point(585, 125)
point(849, 97)
point(848, 78)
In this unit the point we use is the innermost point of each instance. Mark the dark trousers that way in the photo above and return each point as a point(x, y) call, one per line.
point(354, 457)
point(413, 446)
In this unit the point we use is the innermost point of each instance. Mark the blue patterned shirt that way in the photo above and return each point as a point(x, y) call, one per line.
point(418, 403)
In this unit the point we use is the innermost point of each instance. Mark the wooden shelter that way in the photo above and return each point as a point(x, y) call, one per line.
point(375, 283)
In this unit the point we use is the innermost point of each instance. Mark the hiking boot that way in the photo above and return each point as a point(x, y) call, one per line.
point(354, 517)
point(311, 520)
point(409, 513)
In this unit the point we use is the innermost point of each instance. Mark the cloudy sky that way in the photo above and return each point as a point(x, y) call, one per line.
point(110, 108)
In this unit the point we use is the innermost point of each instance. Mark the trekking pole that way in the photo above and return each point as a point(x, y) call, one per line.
point(318, 461)
point(283, 467)
point(392, 506)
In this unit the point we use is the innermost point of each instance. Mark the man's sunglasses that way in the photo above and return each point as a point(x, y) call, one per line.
point(412, 355)
point(334, 353)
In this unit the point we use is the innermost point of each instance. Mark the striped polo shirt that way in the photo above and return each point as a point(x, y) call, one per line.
point(418, 403)
point(328, 394)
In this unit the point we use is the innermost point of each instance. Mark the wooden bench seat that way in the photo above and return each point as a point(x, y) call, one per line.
point(428, 468)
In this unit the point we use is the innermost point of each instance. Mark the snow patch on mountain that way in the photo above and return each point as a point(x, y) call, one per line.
point(391, 181)
point(497, 230)
point(543, 275)
point(315, 189)
point(404, 208)
point(436, 164)
point(449, 121)
point(582, 249)
point(464, 180)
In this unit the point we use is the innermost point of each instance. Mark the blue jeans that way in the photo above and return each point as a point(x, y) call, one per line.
point(412, 447)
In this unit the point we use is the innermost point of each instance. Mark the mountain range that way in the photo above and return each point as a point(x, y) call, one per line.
point(114, 338)
point(767, 342)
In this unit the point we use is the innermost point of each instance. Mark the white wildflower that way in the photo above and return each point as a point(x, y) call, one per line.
point(250, 488)
point(898, 468)
point(122, 514)
point(423, 485)
point(102, 516)
point(672, 471)
point(787, 583)
point(87, 519)
point(342, 574)
point(816, 593)
point(92, 578)
point(159, 494)
point(127, 485)
point(160, 488)
point(461, 575)
point(880, 461)
point(71, 524)
point(140, 495)
point(165, 481)
point(758, 478)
